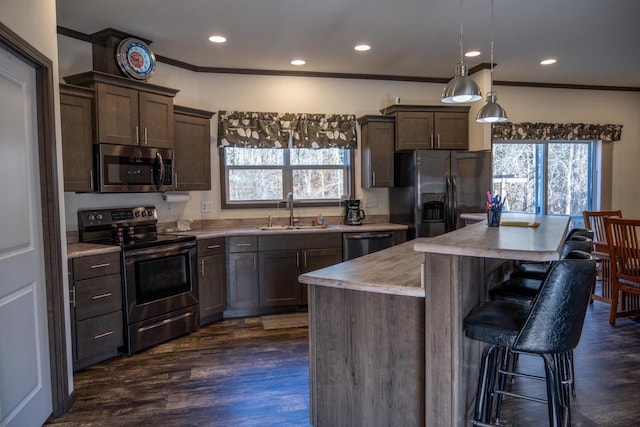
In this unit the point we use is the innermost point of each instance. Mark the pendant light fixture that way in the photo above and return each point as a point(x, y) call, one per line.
point(461, 88)
point(491, 112)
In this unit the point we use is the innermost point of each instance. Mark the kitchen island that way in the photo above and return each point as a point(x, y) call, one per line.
point(386, 341)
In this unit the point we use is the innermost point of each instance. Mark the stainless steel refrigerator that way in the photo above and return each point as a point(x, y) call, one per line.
point(433, 187)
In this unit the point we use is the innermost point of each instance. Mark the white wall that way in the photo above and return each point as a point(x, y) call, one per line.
point(321, 95)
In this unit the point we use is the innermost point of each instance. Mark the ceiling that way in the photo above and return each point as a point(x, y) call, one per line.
point(596, 42)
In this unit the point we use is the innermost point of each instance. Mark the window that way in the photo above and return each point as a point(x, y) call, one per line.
point(259, 177)
point(545, 177)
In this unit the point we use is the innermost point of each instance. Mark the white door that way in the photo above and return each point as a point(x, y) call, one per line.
point(25, 380)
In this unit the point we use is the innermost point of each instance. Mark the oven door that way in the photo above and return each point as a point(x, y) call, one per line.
point(159, 280)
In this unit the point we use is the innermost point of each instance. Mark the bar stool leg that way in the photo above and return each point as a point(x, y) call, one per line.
point(554, 393)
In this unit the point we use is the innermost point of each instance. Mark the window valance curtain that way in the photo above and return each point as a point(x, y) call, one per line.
point(556, 131)
point(282, 130)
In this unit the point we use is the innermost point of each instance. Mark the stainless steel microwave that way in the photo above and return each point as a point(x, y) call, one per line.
point(133, 169)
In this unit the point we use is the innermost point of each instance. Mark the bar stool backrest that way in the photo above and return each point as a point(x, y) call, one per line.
point(557, 314)
point(579, 244)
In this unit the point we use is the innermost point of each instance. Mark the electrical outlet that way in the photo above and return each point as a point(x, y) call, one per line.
point(370, 202)
point(206, 207)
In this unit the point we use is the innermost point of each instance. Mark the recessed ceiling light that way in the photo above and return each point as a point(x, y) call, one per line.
point(472, 53)
point(362, 47)
point(298, 62)
point(548, 61)
point(218, 39)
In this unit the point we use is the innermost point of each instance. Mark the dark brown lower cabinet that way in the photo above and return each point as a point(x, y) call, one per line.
point(284, 258)
point(243, 280)
point(96, 308)
point(212, 279)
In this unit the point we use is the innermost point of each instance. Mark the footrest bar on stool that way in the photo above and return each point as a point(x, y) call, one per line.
point(521, 396)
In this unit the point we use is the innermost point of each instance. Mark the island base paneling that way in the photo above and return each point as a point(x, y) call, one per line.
point(455, 285)
point(366, 357)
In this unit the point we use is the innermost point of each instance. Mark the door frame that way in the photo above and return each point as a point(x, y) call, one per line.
point(49, 197)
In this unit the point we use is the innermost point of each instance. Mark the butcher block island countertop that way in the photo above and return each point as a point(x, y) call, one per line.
point(384, 350)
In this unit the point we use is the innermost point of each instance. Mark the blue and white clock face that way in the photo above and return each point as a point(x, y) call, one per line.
point(136, 59)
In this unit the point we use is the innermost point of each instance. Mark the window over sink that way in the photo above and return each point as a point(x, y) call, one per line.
point(261, 177)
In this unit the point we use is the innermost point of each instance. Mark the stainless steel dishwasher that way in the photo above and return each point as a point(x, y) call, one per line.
point(355, 245)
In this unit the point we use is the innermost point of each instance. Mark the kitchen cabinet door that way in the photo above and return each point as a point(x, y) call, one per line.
point(451, 131)
point(243, 280)
point(212, 287)
point(279, 271)
point(414, 131)
point(76, 125)
point(192, 157)
point(117, 119)
point(156, 120)
point(378, 138)
point(314, 259)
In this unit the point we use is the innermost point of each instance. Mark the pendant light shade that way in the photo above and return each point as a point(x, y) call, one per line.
point(461, 88)
point(491, 112)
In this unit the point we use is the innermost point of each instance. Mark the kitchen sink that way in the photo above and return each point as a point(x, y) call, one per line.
point(291, 227)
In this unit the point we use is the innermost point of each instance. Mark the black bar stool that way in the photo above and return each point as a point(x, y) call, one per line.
point(549, 327)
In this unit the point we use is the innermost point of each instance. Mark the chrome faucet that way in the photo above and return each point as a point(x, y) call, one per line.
point(290, 207)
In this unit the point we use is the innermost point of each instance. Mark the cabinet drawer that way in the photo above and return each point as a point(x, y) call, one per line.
point(208, 247)
point(98, 296)
point(99, 334)
point(243, 244)
point(96, 266)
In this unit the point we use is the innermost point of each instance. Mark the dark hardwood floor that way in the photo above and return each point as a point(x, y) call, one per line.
point(234, 373)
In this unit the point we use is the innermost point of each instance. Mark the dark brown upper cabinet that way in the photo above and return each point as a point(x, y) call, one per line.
point(192, 140)
point(129, 112)
point(76, 107)
point(377, 138)
point(430, 127)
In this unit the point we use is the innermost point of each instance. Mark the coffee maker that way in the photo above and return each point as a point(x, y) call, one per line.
point(353, 215)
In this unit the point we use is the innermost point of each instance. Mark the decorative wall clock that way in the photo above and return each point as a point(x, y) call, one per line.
point(135, 59)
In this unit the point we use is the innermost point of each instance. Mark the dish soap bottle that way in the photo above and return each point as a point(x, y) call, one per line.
point(320, 221)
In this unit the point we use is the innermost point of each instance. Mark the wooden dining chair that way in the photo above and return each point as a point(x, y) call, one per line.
point(623, 236)
point(594, 221)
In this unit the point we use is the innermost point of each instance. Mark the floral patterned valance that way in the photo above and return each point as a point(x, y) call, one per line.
point(556, 131)
point(282, 130)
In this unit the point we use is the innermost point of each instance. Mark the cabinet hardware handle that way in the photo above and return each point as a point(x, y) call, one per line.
point(297, 259)
point(305, 259)
point(431, 140)
point(72, 291)
point(175, 180)
point(254, 261)
point(105, 295)
point(106, 334)
point(438, 141)
point(145, 136)
point(91, 179)
point(374, 178)
point(101, 265)
point(202, 267)
point(213, 246)
point(107, 264)
point(137, 135)
point(244, 244)
point(164, 322)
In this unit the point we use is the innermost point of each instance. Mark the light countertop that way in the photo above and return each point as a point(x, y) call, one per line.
point(256, 231)
point(541, 243)
point(396, 270)
point(75, 250)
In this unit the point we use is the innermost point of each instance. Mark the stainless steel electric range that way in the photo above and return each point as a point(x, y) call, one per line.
point(159, 276)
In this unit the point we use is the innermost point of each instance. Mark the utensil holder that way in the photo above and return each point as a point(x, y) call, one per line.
point(493, 216)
